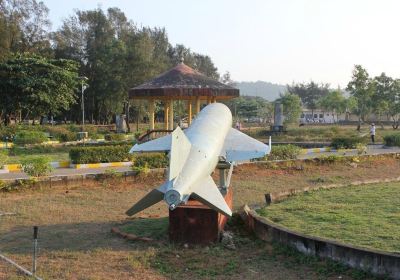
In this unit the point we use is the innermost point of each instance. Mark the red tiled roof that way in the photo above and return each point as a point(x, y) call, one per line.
point(183, 82)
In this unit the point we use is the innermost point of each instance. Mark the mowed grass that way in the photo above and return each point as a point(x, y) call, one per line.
point(366, 216)
point(319, 133)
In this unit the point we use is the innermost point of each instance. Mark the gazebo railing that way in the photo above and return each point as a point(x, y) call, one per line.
point(153, 134)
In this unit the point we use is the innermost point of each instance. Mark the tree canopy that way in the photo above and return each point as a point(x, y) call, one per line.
point(112, 51)
point(309, 93)
point(37, 86)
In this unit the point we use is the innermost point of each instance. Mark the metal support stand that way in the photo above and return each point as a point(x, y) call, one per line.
point(225, 174)
point(35, 243)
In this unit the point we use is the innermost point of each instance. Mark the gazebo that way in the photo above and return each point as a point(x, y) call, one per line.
point(181, 83)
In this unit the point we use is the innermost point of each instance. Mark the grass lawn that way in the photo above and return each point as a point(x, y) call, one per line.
point(366, 216)
point(319, 133)
point(75, 221)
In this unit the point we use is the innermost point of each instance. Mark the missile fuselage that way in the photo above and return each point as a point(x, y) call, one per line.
point(207, 134)
point(193, 157)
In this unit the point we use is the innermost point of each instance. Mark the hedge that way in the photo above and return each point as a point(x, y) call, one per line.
point(151, 160)
point(115, 137)
point(81, 155)
point(29, 137)
point(284, 152)
point(346, 142)
point(392, 139)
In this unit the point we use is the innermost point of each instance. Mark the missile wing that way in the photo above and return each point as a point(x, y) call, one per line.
point(238, 146)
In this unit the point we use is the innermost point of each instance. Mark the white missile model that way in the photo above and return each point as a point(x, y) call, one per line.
point(194, 155)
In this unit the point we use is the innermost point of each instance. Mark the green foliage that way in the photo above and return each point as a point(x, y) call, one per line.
point(309, 93)
point(151, 160)
point(334, 101)
point(115, 137)
point(37, 85)
point(284, 152)
point(62, 133)
point(250, 106)
point(36, 166)
point(362, 89)
point(81, 155)
point(330, 158)
point(24, 137)
point(344, 142)
point(392, 139)
point(7, 131)
point(3, 158)
point(291, 107)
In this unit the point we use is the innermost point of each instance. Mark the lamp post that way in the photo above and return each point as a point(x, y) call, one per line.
point(83, 88)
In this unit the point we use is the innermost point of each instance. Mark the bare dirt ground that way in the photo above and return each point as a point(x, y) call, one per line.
point(75, 221)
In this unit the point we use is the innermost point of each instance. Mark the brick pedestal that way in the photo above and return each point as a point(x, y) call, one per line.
point(196, 223)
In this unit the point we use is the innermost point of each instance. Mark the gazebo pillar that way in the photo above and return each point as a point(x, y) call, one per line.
point(151, 112)
point(213, 99)
point(171, 114)
point(208, 100)
point(197, 107)
point(166, 113)
point(189, 110)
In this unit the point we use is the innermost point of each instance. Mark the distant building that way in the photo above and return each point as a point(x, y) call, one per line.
point(322, 116)
point(317, 116)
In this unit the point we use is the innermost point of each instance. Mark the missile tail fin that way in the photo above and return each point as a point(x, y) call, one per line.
point(153, 197)
point(180, 148)
point(208, 193)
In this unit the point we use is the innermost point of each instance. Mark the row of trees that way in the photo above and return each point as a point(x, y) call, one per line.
point(111, 51)
point(364, 95)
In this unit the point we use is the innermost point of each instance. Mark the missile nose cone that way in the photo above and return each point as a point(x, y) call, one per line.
point(173, 198)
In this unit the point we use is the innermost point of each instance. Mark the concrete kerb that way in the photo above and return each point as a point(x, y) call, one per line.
point(374, 261)
point(76, 177)
point(67, 164)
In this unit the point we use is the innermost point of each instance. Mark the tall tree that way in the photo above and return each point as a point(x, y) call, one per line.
point(24, 27)
point(227, 80)
point(394, 103)
point(201, 63)
point(334, 101)
point(36, 86)
point(362, 89)
point(309, 93)
point(383, 95)
point(291, 106)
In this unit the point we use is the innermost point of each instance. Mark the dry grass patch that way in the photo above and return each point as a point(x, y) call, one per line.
point(76, 243)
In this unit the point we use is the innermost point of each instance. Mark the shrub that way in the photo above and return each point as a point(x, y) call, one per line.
point(283, 152)
point(392, 139)
point(7, 131)
point(150, 160)
point(81, 155)
point(3, 158)
point(29, 137)
point(62, 133)
point(330, 158)
point(115, 137)
point(36, 166)
point(68, 136)
point(346, 142)
point(37, 149)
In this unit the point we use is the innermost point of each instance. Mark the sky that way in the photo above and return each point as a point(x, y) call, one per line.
point(278, 41)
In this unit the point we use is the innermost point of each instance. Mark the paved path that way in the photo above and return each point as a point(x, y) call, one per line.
point(371, 150)
point(66, 171)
